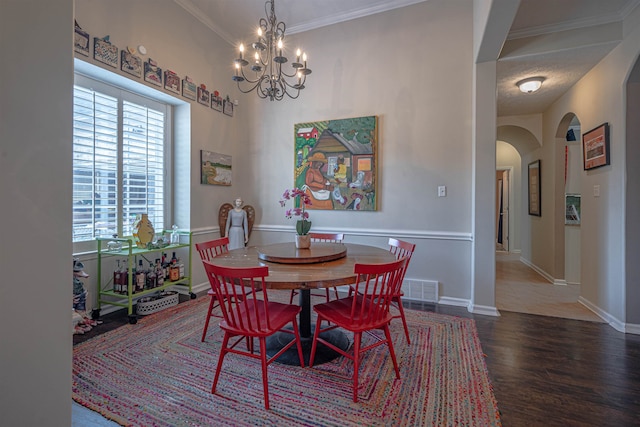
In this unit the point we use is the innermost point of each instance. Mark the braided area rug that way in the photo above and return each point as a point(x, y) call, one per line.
point(159, 373)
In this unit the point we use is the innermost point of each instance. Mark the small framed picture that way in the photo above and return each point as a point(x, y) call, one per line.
point(189, 89)
point(572, 209)
point(152, 73)
point(203, 96)
point(595, 147)
point(130, 63)
point(216, 103)
point(81, 41)
point(105, 52)
point(228, 107)
point(171, 81)
point(535, 196)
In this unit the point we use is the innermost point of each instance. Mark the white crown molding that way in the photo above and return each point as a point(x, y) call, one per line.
point(200, 16)
point(575, 24)
point(348, 16)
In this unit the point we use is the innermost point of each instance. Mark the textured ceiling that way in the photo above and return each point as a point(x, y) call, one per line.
point(560, 40)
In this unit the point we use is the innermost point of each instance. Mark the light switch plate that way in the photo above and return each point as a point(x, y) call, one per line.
point(596, 191)
point(442, 191)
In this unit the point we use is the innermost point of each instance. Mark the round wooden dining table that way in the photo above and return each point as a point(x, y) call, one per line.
point(321, 266)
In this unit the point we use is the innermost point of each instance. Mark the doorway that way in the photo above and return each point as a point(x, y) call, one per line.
point(503, 191)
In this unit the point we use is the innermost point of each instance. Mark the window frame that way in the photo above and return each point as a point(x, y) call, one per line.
point(130, 95)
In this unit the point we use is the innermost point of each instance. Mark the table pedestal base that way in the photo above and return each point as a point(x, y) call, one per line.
point(323, 353)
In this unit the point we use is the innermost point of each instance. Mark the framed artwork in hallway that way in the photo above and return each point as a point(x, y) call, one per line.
point(535, 194)
point(595, 147)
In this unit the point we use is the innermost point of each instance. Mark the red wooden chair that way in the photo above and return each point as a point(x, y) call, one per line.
point(209, 250)
point(250, 315)
point(400, 249)
point(328, 238)
point(365, 310)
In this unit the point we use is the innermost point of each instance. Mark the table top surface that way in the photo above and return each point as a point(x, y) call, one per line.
point(286, 253)
point(307, 276)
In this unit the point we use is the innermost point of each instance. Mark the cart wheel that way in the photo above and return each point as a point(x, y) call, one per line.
point(192, 295)
point(95, 313)
point(133, 319)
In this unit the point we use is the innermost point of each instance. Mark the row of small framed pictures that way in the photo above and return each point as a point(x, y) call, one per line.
point(107, 53)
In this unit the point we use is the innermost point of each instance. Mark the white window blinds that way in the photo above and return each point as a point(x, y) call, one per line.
point(118, 161)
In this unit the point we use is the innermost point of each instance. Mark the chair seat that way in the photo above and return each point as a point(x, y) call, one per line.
point(279, 315)
point(339, 312)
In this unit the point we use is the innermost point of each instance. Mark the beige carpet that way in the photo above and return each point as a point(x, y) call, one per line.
point(521, 289)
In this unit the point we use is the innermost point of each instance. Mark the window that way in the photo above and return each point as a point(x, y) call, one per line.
point(119, 162)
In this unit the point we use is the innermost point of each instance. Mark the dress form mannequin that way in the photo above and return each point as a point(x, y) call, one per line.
point(237, 227)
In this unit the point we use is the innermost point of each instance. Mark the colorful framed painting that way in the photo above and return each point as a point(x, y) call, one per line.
point(152, 73)
point(215, 168)
point(189, 89)
point(535, 196)
point(595, 147)
point(171, 82)
point(105, 52)
point(227, 107)
point(81, 41)
point(130, 64)
point(336, 163)
point(203, 96)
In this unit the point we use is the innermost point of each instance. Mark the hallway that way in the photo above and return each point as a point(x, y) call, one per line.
point(521, 289)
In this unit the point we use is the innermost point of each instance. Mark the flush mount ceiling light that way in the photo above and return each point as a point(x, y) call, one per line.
point(530, 85)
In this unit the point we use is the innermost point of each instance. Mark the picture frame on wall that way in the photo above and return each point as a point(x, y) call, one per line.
point(189, 89)
point(152, 73)
point(105, 52)
point(130, 64)
point(228, 107)
point(336, 160)
point(215, 168)
point(535, 194)
point(171, 81)
point(572, 209)
point(81, 41)
point(595, 147)
point(203, 95)
point(216, 102)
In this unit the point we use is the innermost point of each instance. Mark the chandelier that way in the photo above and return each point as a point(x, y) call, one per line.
point(265, 73)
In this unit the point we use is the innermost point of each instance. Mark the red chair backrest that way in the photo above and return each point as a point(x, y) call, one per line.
point(401, 249)
point(212, 248)
point(375, 287)
point(327, 237)
point(249, 311)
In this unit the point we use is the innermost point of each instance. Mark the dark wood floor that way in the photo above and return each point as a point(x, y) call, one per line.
point(546, 371)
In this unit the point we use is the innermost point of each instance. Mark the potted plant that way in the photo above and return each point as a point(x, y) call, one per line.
point(303, 225)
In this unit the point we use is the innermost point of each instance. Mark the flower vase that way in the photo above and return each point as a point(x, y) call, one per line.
point(143, 231)
point(303, 241)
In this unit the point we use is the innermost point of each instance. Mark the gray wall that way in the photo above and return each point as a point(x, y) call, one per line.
point(36, 80)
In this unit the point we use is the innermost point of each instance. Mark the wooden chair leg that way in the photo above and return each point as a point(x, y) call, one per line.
point(314, 342)
point(265, 383)
point(404, 320)
point(206, 322)
point(223, 352)
point(387, 333)
point(357, 338)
